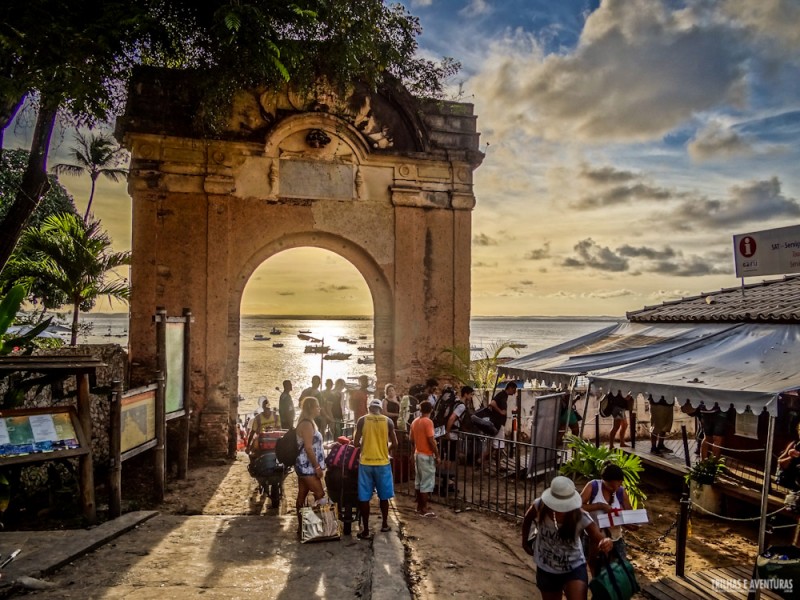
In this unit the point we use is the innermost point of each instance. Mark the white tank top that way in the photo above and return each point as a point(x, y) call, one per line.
point(614, 533)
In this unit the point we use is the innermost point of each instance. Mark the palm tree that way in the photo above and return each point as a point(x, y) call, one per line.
point(96, 155)
point(480, 372)
point(73, 257)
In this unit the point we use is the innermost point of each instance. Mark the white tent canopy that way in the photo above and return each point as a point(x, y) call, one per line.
point(739, 364)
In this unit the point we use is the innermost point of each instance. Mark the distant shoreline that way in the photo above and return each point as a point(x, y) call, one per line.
point(369, 318)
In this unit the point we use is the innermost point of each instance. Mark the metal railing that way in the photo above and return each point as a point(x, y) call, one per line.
point(501, 476)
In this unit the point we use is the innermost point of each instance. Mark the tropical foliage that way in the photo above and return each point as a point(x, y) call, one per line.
point(9, 307)
point(705, 470)
point(72, 257)
point(587, 462)
point(457, 364)
point(70, 60)
point(95, 155)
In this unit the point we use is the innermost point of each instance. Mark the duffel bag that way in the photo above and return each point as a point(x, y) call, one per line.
point(615, 580)
point(482, 422)
point(263, 466)
point(343, 456)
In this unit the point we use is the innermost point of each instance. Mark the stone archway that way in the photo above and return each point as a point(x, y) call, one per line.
point(379, 178)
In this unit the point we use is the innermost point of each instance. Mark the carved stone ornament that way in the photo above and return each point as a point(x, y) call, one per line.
point(317, 138)
point(273, 178)
point(359, 184)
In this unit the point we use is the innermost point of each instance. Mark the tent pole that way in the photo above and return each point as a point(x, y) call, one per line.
point(586, 406)
point(572, 381)
point(762, 526)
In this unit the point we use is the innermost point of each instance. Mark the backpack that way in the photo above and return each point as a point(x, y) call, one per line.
point(605, 406)
point(286, 448)
point(595, 487)
point(343, 456)
point(444, 407)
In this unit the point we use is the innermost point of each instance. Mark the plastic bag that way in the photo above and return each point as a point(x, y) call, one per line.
point(319, 523)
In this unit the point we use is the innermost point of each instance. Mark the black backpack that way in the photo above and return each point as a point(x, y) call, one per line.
point(444, 407)
point(286, 449)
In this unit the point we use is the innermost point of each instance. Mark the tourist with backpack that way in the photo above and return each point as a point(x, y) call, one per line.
point(551, 533)
point(456, 418)
point(603, 496)
point(310, 462)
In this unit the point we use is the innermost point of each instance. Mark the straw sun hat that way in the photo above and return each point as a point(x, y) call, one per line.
point(562, 496)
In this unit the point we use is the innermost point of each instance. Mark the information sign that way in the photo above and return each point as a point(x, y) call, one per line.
point(41, 432)
point(138, 415)
point(768, 252)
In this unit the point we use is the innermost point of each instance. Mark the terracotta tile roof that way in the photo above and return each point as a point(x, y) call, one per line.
point(776, 301)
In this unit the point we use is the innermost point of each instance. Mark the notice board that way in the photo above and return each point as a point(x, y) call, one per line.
point(174, 351)
point(138, 416)
point(29, 435)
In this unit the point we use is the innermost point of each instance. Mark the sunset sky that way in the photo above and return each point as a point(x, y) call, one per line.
point(626, 142)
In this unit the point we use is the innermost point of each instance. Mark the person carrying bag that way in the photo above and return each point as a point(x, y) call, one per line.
point(615, 579)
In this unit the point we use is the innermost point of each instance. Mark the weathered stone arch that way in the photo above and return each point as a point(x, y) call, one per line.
point(381, 178)
point(375, 278)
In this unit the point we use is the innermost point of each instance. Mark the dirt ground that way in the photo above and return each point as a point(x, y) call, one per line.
point(473, 551)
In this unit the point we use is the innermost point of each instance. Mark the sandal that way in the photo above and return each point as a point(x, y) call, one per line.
point(429, 515)
point(386, 529)
point(364, 536)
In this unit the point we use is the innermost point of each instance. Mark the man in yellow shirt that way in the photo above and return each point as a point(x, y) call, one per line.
point(374, 435)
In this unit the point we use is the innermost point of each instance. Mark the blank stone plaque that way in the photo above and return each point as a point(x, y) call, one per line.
point(316, 180)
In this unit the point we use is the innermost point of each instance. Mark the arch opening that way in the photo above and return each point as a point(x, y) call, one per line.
point(305, 291)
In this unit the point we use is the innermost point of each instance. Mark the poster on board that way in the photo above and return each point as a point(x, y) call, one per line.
point(174, 350)
point(36, 433)
point(138, 416)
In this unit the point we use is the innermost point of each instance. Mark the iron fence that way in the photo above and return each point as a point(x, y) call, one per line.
point(501, 476)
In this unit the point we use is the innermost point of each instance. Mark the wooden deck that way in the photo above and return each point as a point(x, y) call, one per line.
point(728, 582)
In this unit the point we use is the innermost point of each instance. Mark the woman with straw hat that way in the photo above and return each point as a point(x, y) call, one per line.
point(551, 533)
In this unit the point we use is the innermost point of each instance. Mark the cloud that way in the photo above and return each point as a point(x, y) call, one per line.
point(752, 203)
point(421, 2)
point(645, 252)
point(484, 265)
point(669, 294)
point(623, 195)
point(526, 282)
point(694, 266)
point(772, 22)
point(591, 255)
point(539, 253)
point(610, 294)
point(606, 175)
point(482, 239)
point(717, 141)
point(616, 84)
point(476, 8)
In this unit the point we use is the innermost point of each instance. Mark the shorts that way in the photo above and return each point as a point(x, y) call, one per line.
point(714, 423)
point(448, 449)
point(375, 478)
point(499, 441)
point(425, 472)
point(661, 416)
point(617, 412)
point(555, 582)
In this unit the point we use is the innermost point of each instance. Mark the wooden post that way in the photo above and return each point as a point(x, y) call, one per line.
point(115, 443)
point(597, 430)
point(160, 454)
point(687, 459)
point(682, 534)
point(633, 430)
point(183, 447)
point(86, 463)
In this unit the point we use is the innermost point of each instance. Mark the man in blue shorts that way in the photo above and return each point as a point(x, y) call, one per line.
point(375, 435)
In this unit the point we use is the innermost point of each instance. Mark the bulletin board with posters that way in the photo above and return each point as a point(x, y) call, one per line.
point(36, 434)
point(175, 327)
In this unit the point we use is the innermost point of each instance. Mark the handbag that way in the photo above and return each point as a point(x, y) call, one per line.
point(615, 580)
point(604, 408)
point(319, 523)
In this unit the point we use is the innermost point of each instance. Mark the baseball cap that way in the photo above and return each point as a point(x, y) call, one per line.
point(375, 403)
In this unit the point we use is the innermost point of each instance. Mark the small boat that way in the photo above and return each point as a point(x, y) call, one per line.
point(362, 337)
point(337, 356)
point(316, 349)
point(277, 345)
point(304, 331)
point(351, 341)
point(517, 345)
point(345, 339)
point(275, 331)
point(369, 348)
point(259, 337)
point(366, 360)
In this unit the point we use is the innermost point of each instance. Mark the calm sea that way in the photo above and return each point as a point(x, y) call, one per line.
point(262, 367)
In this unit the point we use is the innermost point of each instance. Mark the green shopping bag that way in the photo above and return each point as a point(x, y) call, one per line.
point(615, 580)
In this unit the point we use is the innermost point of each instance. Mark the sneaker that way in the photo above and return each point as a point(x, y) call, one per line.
point(655, 450)
point(665, 449)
